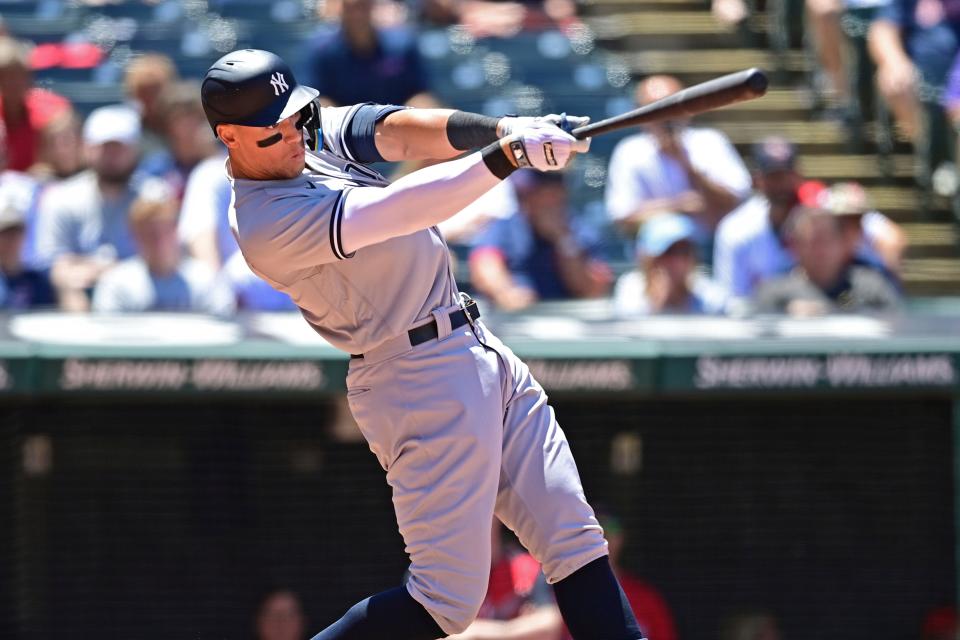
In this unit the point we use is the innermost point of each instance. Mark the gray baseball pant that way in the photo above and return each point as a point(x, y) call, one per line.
point(465, 432)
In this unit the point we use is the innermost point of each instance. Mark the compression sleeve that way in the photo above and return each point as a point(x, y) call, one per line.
point(359, 131)
point(416, 201)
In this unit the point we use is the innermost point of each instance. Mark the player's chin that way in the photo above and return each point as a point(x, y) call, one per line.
point(294, 165)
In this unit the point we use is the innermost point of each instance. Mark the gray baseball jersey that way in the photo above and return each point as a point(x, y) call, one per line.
point(460, 426)
point(289, 232)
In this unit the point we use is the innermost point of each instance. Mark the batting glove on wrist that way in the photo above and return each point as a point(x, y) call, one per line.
point(544, 147)
point(509, 125)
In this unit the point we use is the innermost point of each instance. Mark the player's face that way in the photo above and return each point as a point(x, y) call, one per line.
point(265, 153)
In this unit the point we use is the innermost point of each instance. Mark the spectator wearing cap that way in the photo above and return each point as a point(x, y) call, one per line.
point(875, 241)
point(673, 167)
point(21, 287)
point(147, 77)
point(666, 279)
point(750, 248)
point(185, 129)
point(25, 109)
point(537, 253)
point(159, 277)
point(82, 222)
point(826, 278)
point(355, 62)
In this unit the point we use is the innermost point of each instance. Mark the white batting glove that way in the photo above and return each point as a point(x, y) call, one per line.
point(509, 125)
point(544, 147)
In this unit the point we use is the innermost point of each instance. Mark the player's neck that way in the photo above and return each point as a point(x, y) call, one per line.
point(238, 170)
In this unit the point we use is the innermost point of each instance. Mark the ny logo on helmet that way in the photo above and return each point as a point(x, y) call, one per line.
point(278, 83)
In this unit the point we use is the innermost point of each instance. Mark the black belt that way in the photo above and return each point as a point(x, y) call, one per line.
point(429, 331)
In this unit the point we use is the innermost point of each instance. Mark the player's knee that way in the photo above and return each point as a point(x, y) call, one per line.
point(454, 605)
point(463, 615)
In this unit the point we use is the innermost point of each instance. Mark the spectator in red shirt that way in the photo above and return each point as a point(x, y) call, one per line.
point(648, 605)
point(25, 109)
point(941, 624)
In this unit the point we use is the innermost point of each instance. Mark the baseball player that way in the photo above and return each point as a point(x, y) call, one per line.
point(460, 426)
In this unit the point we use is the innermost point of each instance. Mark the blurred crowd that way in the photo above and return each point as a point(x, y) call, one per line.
point(126, 209)
point(519, 604)
point(895, 62)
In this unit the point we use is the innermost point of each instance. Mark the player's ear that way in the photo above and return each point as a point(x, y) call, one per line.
point(227, 134)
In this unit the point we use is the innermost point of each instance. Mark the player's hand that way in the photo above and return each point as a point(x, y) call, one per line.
point(543, 147)
point(509, 125)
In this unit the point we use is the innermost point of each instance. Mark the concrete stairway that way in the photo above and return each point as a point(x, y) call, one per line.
point(681, 38)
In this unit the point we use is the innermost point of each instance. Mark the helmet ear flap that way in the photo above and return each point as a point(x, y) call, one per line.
point(309, 124)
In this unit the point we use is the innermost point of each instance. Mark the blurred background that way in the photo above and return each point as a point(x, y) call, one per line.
point(749, 323)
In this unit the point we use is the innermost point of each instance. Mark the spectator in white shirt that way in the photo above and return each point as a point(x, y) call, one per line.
point(204, 227)
point(673, 168)
point(251, 292)
point(749, 246)
point(666, 279)
point(160, 278)
point(82, 222)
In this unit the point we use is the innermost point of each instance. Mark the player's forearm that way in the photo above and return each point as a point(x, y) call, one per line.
point(433, 134)
point(416, 201)
point(415, 134)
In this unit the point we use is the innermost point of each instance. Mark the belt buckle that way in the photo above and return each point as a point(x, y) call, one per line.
point(465, 302)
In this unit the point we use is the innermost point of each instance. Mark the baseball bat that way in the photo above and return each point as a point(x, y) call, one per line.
point(712, 94)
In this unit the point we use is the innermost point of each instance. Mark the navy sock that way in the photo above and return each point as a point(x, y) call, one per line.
point(593, 604)
point(391, 614)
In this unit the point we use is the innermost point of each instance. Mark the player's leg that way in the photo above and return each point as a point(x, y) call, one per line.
point(432, 417)
point(541, 499)
point(381, 616)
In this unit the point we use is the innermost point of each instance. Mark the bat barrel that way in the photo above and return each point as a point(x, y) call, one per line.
point(713, 94)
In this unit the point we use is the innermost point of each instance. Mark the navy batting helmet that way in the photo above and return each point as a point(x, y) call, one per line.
point(253, 88)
